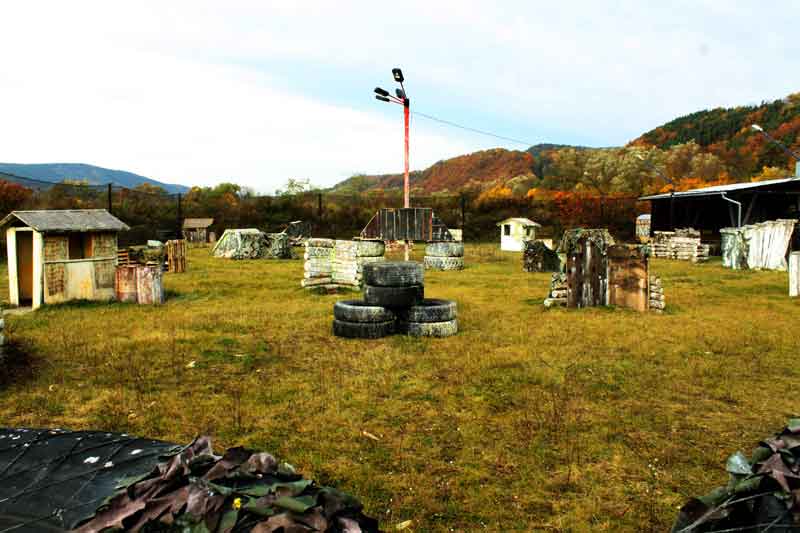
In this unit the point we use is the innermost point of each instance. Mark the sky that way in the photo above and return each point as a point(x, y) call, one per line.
point(198, 93)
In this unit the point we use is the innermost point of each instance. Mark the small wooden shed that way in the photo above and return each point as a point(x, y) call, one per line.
point(196, 229)
point(60, 255)
point(515, 231)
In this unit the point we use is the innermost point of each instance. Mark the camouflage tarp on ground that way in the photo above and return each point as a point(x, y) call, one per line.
point(762, 494)
point(197, 491)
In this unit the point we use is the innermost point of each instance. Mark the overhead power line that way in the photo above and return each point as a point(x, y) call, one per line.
point(474, 130)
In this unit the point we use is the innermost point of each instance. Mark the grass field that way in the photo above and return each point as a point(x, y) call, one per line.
point(527, 420)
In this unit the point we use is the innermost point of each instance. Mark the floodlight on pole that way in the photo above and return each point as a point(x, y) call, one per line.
point(402, 99)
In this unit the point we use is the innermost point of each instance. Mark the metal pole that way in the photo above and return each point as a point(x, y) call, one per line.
point(406, 199)
point(463, 211)
point(738, 204)
point(109, 197)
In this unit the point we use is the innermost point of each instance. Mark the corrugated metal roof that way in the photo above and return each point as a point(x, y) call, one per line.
point(523, 221)
point(67, 220)
point(197, 223)
point(717, 189)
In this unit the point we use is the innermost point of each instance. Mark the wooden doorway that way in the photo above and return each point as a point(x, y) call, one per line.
point(25, 267)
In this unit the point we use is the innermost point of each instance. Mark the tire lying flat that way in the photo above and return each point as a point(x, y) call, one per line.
point(444, 263)
point(429, 310)
point(363, 330)
point(361, 311)
point(428, 329)
point(394, 274)
point(445, 249)
point(393, 296)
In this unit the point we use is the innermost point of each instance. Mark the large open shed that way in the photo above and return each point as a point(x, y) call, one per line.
point(722, 206)
point(60, 255)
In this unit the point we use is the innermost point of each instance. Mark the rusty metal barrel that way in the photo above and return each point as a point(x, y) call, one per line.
point(149, 285)
point(126, 290)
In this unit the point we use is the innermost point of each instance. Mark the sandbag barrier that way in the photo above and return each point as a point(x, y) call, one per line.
point(331, 264)
point(682, 244)
point(394, 302)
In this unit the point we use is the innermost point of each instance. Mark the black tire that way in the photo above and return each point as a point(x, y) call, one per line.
point(445, 249)
point(393, 296)
point(444, 263)
point(770, 510)
point(363, 330)
point(429, 310)
point(428, 329)
point(394, 274)
point(360, 311)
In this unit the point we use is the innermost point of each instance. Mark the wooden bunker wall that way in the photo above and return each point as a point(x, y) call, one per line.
point(90, 278)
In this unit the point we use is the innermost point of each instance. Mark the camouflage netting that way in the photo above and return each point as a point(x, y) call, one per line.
point(762, 494)
point(147, 254)
point(197, 491)
point(569, 241)
point(241, 244)
point(537, 257)
point(280, 246)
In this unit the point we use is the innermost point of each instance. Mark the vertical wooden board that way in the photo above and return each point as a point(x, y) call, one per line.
point(628, 278)
point(125, 284)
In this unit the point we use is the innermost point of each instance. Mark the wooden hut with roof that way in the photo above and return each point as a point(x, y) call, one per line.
point(60, 255)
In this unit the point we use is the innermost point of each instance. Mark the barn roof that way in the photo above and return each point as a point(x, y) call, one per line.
point(67, 220)
point(197, 223)
point(718, 189)
point(523, 221)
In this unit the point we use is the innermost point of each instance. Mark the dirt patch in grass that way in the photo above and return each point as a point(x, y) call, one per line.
point(562, 420)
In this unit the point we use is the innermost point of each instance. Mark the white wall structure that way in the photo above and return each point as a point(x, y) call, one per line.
point(757, 246)
point(515, 231)
point(794, 274)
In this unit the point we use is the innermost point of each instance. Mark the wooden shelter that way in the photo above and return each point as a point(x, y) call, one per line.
point(196, 229)
point(515, 231)
point(60, 255)
point(733, 205)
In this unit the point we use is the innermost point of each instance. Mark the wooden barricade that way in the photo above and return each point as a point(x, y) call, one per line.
point(628, 278)
point(176, 255)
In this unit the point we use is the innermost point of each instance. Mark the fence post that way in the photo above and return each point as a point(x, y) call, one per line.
point(109, 198)
point(319, 206)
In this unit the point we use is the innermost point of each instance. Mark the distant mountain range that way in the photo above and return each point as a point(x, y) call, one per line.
point(58, 172)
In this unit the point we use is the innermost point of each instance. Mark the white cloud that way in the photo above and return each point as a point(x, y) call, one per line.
point(190, 92)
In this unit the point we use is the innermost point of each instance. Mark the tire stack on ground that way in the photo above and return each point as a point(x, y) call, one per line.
point(394, 302)
point(657, 301)
point(445, 255)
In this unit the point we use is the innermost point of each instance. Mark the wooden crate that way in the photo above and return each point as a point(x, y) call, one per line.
point(176, 255)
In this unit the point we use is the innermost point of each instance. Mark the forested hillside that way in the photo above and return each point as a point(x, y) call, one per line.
point(727, 133)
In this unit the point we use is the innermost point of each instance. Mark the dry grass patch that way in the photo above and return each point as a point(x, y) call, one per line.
point(591, 420)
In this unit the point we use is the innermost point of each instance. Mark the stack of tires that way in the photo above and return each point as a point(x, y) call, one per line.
point(394, 302)
point(444, 256)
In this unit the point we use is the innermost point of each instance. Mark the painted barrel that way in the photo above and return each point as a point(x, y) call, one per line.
point(149, 285)
point(126, 290)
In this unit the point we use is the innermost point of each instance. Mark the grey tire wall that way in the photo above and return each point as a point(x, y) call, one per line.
point(361, 311)
point(371, 248)
point(444, 263)
point(429, 329)
point(363, 330)
point(393, 296)
point(429, 310)
point(394, 274)
point(445, 249)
